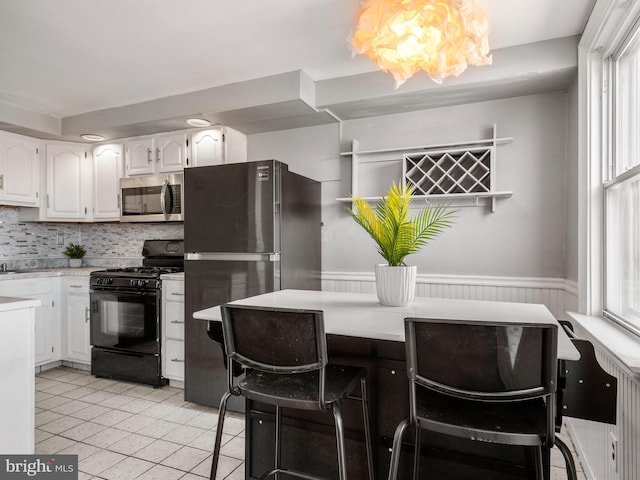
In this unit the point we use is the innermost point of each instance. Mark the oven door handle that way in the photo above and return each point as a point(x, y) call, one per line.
point(118, 291)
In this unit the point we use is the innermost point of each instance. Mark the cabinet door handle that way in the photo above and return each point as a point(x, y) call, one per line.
point(87, 314)
point(47, 200)
point(148, 155)
point(1, 182)
point(177, 321)
point(177, 294)
point(158, 154)
point(75, 286)
point(118, 200)
point(177, 360)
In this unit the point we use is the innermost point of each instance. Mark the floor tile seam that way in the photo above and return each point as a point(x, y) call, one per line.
point(91, 420)
point(118, 462)
point(232, 471)
point(72, 382)
point(159, 463)
point(176, 422)
point(141, 448)
point(115, 427)
point(106, 447)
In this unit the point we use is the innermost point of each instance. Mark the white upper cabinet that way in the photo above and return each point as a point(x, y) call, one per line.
point(207, 148)
point(68, 172)
point(171, 152)
point(215, 146)
point(108, 168)
point(157, 154)
point(139, 154)
point(19, 171)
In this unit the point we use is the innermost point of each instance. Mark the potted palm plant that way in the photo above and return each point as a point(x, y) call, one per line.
point(397, 235)
point(75, 252)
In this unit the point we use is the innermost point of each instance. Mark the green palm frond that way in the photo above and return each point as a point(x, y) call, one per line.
point(390, 225)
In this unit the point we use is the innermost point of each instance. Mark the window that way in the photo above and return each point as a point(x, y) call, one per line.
point(622, 191)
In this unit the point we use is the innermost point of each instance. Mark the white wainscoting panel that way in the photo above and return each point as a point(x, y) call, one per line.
point(593, 440)
point(558, 294)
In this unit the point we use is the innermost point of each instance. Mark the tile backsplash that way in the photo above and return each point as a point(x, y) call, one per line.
point(35, 245)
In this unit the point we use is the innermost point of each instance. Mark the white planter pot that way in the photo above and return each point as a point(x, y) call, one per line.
point(396, 286)
point(75, 262)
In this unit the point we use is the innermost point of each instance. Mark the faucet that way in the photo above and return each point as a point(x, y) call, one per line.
point(3, 267)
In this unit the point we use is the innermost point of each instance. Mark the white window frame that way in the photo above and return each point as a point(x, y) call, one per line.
point(609, 25)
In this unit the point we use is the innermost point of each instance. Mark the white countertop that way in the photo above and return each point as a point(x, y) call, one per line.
point(361, 315)
point(617, 341)
point(14, 303)
point(48, 272)
point(173, 276)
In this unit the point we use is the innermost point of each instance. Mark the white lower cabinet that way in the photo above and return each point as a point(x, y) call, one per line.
point(174, 360)
point(173, 330)
point(77, 310)
point(46, 326)
point(47, 319)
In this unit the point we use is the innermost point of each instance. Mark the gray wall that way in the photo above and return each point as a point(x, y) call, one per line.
point(525, 236)
point(531, 234)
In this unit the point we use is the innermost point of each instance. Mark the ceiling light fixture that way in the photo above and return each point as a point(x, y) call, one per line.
point(199, 122)
point(440, 37)
point(92, 137)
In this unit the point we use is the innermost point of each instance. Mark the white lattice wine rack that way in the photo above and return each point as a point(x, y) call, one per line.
point(462, 172)
point(442, 172)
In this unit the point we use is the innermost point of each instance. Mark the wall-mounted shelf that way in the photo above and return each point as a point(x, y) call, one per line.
point(453, 172)
point(474, 198)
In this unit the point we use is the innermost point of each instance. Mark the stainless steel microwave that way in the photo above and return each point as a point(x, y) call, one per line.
point(152, 198)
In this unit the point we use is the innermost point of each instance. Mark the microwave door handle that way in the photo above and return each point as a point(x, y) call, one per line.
point(163, 198)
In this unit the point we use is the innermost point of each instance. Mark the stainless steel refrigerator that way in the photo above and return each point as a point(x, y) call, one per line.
point(249, 228)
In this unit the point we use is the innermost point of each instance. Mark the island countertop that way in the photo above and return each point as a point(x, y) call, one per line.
point(361, 315)
point(14, 303)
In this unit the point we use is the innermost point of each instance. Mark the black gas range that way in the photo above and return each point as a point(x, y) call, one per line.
point(131, 277)
point(126, 315)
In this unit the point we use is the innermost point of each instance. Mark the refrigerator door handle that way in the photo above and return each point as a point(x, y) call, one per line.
point(234, 257)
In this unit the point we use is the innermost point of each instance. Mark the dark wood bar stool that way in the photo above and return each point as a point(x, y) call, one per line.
point(480, 381)
point(285, 354)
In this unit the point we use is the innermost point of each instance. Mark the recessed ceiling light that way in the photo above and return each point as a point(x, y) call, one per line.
point(199, 122)
point(92, 137)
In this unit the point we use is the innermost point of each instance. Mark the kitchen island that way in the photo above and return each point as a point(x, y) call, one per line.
point(17, 381)
point(362, 332)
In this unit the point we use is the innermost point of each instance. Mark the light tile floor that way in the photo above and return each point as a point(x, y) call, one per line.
point(125, 431)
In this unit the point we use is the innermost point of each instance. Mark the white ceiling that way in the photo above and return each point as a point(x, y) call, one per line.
point(69, 57)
